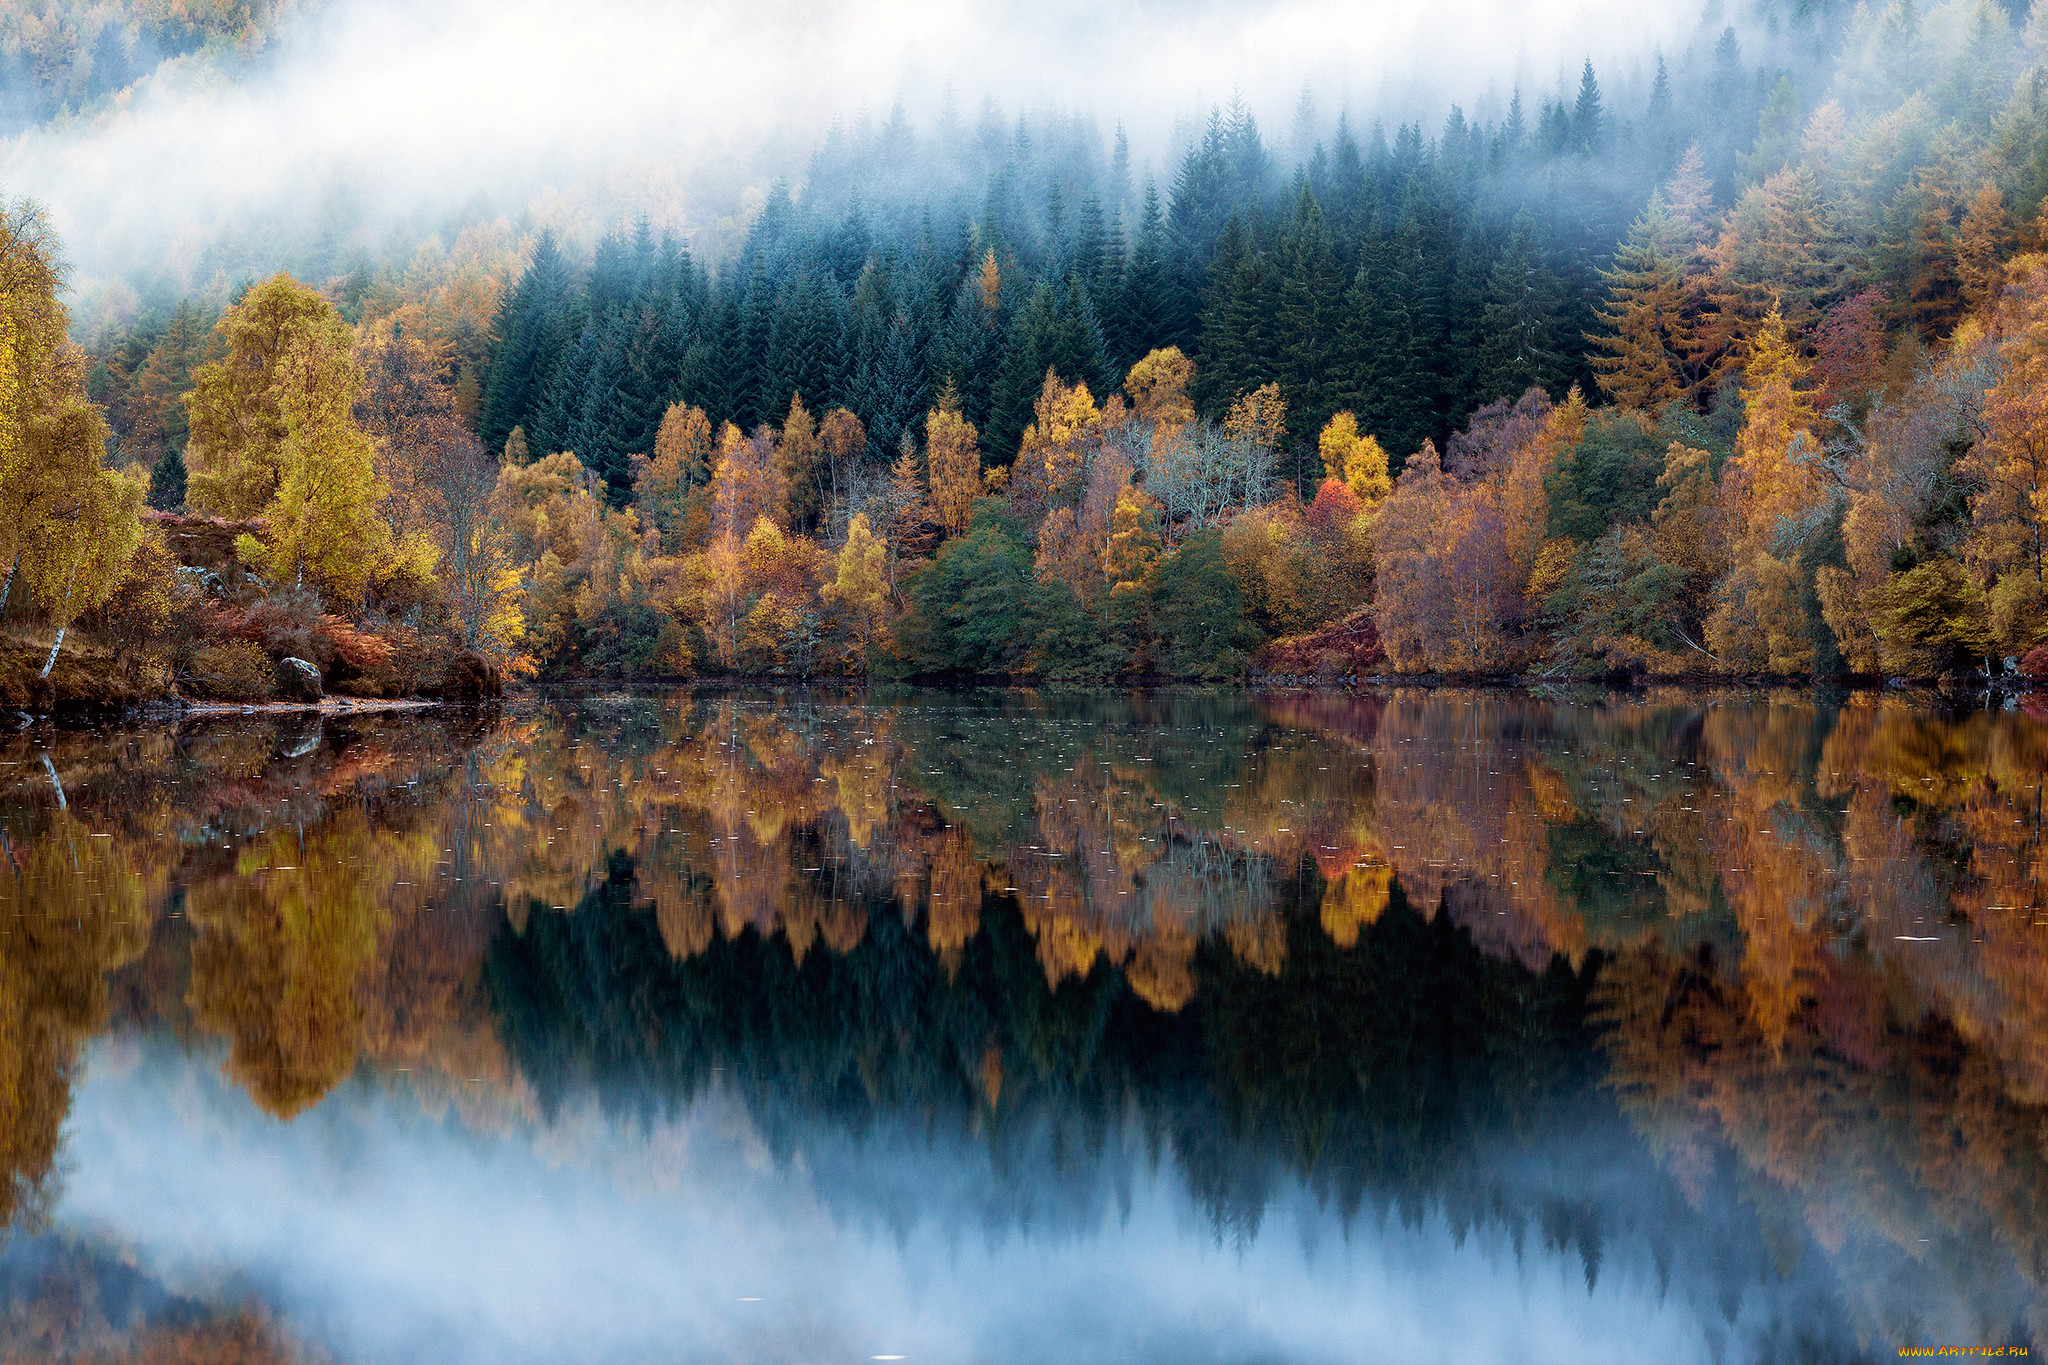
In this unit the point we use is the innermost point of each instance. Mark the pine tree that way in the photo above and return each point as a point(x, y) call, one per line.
point(1027, 355)
point(1240, 349)
point(1078, 351)
point(1376, 349)
point(1141, 315)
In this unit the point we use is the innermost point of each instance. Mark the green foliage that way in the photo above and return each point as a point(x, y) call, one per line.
point(969, 608)
point(1199, 612)
point(1931, 619)
point(1608, 478)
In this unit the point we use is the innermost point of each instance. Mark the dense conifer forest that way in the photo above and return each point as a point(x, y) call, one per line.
point(1730, 364)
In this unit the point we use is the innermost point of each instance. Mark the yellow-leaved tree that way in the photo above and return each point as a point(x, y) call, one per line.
point(1770, 490)
point(859, 591)
point(67, 524)
point(952, 461)
point(274, 435)
point(1357, 459)
point(1158, 386)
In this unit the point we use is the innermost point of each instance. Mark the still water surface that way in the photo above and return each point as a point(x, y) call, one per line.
point(993, 1027)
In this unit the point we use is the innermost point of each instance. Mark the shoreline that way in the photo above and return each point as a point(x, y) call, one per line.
point(337, 706)
point(175, 711)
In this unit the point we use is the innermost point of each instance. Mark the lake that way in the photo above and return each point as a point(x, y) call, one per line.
point(1000, 1026)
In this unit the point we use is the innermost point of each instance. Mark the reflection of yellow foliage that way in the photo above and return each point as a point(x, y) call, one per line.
point(1161, 971)
point(276, 966)
point(1259, 942)
point(53, 989)
point(1355, 900)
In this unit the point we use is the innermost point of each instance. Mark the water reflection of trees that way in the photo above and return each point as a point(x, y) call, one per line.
point(1064, 924)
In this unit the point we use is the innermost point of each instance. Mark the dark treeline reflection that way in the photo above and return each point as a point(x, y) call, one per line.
point(1743, 996)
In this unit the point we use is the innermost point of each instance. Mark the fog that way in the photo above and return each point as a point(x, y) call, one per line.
point(391, 1237)
point(382, 113)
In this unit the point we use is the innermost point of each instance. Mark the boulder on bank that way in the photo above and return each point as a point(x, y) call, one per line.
point(298, 680)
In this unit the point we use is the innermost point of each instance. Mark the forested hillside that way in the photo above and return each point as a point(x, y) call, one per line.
point(1731, 364)
point(62, 57)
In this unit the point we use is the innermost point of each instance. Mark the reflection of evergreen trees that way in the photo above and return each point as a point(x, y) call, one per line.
point(1366, 1068)
point(1408, 1075)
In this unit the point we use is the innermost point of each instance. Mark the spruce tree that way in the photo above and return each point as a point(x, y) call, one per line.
point(527, 340)
point(1309, 307)
point(1520, 321)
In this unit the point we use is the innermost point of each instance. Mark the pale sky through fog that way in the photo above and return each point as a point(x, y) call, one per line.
point(679, 110)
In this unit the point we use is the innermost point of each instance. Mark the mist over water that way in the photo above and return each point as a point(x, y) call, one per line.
point(394, 1237)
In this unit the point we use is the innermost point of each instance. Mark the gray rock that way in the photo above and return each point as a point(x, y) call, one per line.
point(298, 680)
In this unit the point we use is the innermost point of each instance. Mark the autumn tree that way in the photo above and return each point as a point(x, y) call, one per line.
point(952, 462)
point(236, 406)
point(1772, 497)
point(1356, 458)
point(746, 484)
point(1783, 246)
point(1158, 386)
point(845, 441)
point(1644, 314)
point(2009, 467)
point(663, 486)
point(804, 465)
point(1259, 416)
point(859, 589)
point(66, 523)
point(1849, 352)
point(274, 433)
point(1981, 246)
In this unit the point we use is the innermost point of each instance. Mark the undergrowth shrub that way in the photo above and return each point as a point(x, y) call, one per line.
point(233, 670)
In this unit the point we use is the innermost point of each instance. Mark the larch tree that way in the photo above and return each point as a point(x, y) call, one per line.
point(2009, 468)
point(1772, 491)
point(1783, 244)
point(1645, 315)
point(1981, 246)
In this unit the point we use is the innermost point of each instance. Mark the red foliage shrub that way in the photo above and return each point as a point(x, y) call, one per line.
point(1335, 508)
point(359, 649)
point(1346, 647)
